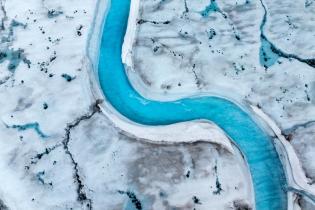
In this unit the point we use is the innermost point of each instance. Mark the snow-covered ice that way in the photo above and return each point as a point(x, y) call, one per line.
point(203, 47)
point(59, 152)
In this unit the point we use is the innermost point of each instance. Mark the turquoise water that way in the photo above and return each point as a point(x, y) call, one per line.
point(34, 126)
point(267, 57)
point(264, 164)
point(212, 7)
point(268, 53)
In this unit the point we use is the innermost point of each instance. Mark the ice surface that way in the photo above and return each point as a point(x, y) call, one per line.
point(57, 152)
point(222, 53)
point(192, 62)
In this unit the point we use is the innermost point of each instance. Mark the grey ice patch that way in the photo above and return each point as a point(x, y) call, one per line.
point(3, 206)
point(312, 92)
point(304, 143)
point(309, 3)
point(241, 205)
point(305, 204)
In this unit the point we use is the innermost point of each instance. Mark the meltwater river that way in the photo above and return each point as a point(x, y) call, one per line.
point(264, 164)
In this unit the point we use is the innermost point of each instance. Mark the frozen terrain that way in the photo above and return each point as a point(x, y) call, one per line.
point(305, 204)
point(59, 152)
point(257, 52)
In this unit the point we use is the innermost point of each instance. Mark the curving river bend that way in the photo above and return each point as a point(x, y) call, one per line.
point(264, 164)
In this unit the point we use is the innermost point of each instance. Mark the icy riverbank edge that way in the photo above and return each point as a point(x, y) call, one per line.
point(201, 130)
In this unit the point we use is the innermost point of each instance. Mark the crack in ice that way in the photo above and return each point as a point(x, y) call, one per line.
point(82, 197)
point(289, 131)
point(213, 7)
point(269, 53)
point(47, 151)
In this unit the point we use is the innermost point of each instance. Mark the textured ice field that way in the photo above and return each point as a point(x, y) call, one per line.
point(257, 52)
point(181, 50)
point(58, 152)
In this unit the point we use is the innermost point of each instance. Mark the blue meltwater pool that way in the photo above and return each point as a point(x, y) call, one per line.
point(264, 164)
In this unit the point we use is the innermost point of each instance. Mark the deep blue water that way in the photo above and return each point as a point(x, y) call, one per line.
point(265, 167)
